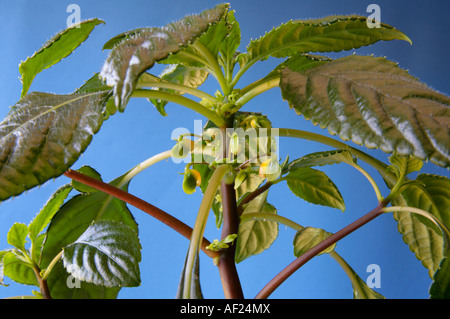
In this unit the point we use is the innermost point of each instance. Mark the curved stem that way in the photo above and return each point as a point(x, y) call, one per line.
point(214, 65)
point(178, 87)
point(272, 217)
point(349, 272)
point(148, 208)
point(200, 224)
point(261, 87)
point(375, 163)
point(144, 165)
point(428, 215)
point(51, 265)
point(300, 261)
point(181, 100)
point(371, 181)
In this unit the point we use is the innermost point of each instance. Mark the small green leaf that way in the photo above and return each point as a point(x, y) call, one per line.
point(89, 171)
point(43, 135)
point(47, 212)
point(54, 50)
point(309, 237)
point(257, 235)
point(315, 187)
point(17, 235)
point(18, 269)
point(107, 253)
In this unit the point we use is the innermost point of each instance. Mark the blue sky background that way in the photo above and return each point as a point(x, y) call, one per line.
point(129, 138)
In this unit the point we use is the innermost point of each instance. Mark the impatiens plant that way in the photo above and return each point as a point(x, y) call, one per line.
point(85, 233)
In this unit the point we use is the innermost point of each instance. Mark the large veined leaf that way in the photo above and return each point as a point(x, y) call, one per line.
point(71, 221)
point(426, 241)
point(255, 236)
point(43, 135)
point(107, 253)
point(372, 101)
point(331, 34)
point(54, 50)
point(138, 52)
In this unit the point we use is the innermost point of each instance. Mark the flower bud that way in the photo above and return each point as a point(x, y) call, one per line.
point(191, 180)
point(270, 169)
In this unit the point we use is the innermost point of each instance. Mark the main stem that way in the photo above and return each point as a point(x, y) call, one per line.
point(227, 266)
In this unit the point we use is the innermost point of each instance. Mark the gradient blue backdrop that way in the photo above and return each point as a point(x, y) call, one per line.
point(129, 138)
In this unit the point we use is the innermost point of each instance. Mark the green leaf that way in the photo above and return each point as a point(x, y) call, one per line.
point(54, 50)
point(255, 236)
point(315, 187)
point(432, 194)
point(91, 172)
point(17, 236)
point(440, 288)
point(43, 135)
point(107, 253)
point(18, 269)
point(71, 221)
point(138, 52)
point(404, 165)
point(331, 34)
point(47, 212)
point(308, 237)
point(372, 101)
point(232, 40)
point(2, 254)
point(323, 158)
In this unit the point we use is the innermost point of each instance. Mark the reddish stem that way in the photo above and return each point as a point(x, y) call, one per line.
point(300, 261)
point(148, 208)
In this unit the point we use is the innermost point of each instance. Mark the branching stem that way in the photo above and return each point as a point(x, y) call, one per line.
point(300, 261)
point(148, 208)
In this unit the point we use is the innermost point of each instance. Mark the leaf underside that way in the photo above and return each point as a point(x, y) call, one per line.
point(139, 51)
point(373, 102)
point(424, 239)
point(331, 34)
point(43, 135)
